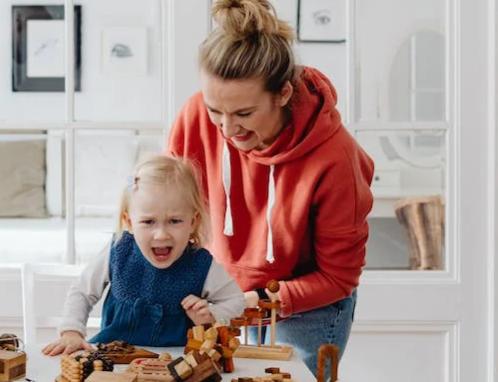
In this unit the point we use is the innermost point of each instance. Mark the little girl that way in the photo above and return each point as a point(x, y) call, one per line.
point(161, 280)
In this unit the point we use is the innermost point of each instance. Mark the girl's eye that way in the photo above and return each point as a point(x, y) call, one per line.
point(147, 222)
point(176, 221)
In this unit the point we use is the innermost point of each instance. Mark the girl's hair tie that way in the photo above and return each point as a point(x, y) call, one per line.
point(132, 182)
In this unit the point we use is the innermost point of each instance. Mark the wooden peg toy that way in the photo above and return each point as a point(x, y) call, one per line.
point(256, 316)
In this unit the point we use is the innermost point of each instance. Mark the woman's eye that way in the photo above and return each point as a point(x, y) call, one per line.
point(244, 114)
point(147, 222)
point(176, 221)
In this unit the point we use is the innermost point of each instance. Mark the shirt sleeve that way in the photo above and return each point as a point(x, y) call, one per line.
point(85, 293)
point(225, 298)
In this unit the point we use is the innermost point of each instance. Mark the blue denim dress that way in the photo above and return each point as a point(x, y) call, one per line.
point(143, 306)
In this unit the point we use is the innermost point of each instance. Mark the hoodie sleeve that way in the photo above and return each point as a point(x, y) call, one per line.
point(342, 202)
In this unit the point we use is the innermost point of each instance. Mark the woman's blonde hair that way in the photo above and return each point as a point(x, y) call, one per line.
point(249, 42)
point(178, 173)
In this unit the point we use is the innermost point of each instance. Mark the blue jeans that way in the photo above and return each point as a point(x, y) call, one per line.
point(308, 330)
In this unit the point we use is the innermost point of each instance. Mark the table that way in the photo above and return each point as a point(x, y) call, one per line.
point(41, 368)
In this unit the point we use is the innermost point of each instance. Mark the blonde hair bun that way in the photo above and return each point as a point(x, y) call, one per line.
point(243, 18)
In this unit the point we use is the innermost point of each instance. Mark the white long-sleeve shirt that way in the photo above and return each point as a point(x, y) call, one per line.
point(225, 298)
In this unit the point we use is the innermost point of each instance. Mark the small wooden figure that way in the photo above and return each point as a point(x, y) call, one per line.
point(12, 365)
point(255, 316)
point(120, 352)
point(108, 376)
point(327, 351)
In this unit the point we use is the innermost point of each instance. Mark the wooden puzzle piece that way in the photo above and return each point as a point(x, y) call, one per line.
point(120, 352)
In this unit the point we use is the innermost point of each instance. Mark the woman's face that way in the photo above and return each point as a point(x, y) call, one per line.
point(247, 115)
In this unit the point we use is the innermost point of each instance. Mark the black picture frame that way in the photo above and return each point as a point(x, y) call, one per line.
point(21, 14)
point(317, 16)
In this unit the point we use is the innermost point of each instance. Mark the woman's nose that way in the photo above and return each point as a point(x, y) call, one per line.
point(227, 127)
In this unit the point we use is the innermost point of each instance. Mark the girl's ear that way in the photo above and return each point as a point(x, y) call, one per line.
point(196, 220)
point(126, 222)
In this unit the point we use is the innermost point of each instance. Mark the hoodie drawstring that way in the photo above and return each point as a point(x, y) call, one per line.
point(227, 181)
point(269, 208)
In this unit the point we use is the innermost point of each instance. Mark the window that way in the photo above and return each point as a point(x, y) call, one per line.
point(65, 156)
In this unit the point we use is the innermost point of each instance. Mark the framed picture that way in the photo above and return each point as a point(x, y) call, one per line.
point(322, 21)
point(124, 51)
point(38, 48)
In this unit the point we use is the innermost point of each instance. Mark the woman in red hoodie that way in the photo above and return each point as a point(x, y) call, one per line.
point(288, 187)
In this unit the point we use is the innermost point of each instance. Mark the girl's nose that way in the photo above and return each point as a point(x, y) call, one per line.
point(161, 233)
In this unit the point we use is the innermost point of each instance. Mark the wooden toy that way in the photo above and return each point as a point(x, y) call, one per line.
point(193, 367)
point(255, 316)
point(327, 351)
point(10, 342)
point(120, 352)
point(78, 366)
point(108, 376)
point(218, 341)
point(12, 365)
point(273, 375)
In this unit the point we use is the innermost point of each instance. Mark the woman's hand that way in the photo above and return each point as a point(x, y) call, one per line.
point(69, 342)
point(197, 310)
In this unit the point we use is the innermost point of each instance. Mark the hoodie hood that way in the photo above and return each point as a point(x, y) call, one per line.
point(314, 119)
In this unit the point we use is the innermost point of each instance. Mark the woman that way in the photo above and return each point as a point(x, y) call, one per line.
point(288, 187)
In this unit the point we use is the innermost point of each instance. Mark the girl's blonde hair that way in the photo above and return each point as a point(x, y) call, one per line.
point(249, 42)
point(175, 172)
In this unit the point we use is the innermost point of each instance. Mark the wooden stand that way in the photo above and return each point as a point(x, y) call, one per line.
point(423, 219)
point(331, 352)
point(12, 365)
point(260, 351)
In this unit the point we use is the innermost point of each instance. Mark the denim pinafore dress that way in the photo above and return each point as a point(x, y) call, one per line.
point(143, 306)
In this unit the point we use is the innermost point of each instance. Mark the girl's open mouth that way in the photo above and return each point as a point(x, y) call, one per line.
point(162, 253)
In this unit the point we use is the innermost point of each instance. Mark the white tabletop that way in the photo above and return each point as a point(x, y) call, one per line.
point(41, 368)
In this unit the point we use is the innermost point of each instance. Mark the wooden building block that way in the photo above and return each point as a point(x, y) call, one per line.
point(108, 376)
point(198, 333)
point(207, 371)
point(12, 365)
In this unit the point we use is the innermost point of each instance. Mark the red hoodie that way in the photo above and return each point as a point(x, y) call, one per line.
point(321, 198)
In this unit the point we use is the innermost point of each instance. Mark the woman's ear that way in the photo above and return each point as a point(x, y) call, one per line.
point(286, 93)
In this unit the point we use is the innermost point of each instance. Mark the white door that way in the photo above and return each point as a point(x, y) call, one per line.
point(419, 95)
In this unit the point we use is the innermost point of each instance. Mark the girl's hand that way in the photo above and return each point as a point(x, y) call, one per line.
point(69, 342)
point(197, 310)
